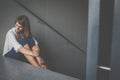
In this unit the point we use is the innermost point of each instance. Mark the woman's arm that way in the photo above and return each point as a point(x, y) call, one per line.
point(36, 49)
point(31, 59)
point(26, 51)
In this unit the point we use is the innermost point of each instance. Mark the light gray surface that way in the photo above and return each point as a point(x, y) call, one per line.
point(11, 69)
point(93, 39)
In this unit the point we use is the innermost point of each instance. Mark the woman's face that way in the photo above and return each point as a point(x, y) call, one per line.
point(18, 27)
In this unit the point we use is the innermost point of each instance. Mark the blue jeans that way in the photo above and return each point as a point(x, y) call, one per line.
point(17, 55)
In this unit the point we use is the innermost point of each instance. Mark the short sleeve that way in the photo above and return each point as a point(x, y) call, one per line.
point(13, 41)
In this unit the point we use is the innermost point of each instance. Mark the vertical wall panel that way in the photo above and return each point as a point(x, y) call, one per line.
point(93, 37)
point(105, 38)
point(115, 51)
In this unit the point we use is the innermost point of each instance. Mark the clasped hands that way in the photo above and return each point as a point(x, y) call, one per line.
point(35, 54)
point(38, 57)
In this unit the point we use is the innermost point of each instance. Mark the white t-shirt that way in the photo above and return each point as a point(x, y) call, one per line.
point(11, 41)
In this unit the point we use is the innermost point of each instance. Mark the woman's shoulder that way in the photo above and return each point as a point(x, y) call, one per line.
point(11, 31)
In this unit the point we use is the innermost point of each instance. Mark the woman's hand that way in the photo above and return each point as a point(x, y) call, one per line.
point(40, 60)
point(35, 54)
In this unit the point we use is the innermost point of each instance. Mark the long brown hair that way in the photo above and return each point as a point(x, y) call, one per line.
point(24, 22)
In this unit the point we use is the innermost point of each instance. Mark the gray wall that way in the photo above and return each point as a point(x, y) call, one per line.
point(100, 23)
point(69, 17)
point(115, 49)
point(103, 47)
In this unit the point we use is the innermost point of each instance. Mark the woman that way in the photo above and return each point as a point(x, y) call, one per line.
point(21, 45)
